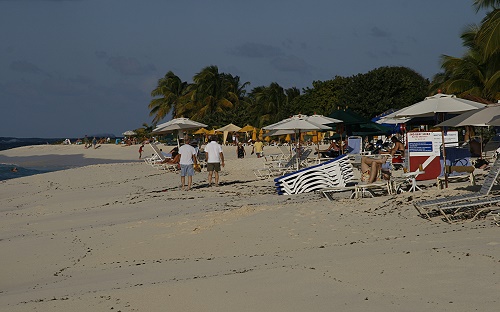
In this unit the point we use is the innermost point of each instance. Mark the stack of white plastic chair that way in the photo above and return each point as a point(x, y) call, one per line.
point(334, 173)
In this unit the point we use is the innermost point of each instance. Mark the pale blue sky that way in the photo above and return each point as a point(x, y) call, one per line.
point(75, 67)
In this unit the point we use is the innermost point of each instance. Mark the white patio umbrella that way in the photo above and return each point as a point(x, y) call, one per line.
point(482, 117)
point(297, 123)
point(178, 124)
point(392, 121)
point(494, 122)
point(437, 104)
point(323, 120)
point(129, 132)
point(479, 118)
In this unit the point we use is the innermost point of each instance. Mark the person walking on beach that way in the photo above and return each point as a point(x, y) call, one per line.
point(94, 142)
point(187, 160)
point(86, 141)
point(141, 149)
point(215, 159)
point(240, 150)
point(258, 148)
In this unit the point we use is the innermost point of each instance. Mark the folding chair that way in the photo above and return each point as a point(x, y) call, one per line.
point(451, 204)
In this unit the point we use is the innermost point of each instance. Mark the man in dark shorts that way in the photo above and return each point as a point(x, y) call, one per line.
point(215, 159)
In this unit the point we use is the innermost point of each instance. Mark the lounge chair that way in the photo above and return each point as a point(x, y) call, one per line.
point(469, 209)
point(157, 161)
point(458, 167)
point(328, 178)
point(359, 189)
point(458, 204)
point(281, 167)
point(156, 157)
point(334, 173)
point(490, 149)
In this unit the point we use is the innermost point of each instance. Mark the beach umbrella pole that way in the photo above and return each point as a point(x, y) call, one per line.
point(444, 159)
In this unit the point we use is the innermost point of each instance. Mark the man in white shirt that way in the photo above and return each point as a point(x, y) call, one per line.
point(187, 160)
point(215, 159)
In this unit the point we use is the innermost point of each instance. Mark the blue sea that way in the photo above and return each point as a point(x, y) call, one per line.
point(9, 142)
point(6, 171)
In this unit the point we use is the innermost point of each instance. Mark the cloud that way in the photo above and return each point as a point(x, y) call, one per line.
point(25, 67)
point(42, 0)
point(379, 33)
point(129, 66)
point(389, 53)
point(101, 54)
point(256, 50)
point(290, 63)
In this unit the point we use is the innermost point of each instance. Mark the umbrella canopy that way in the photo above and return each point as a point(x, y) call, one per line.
point(247, 128)
point(494, 122)
point(481, 117)
point(129, 132)
point(201, 131)
point(178, 124)
point(229, 128)
point(348, 117)
point(436, 104)
point(278, 132)
point(356, 124)
point(323, 120)
point(384, 119)
point(226, 129)
point(439, 103)
point(298, 123)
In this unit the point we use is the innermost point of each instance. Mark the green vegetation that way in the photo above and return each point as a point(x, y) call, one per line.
point(477, 72)
point(217, 99)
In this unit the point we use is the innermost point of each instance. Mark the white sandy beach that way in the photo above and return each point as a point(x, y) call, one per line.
point(118, 235)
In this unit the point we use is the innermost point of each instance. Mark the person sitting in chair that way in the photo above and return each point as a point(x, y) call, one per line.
point(173, 160)
point(370, 168)
point(332, 151)
point(398, 148)
point(397, 151)
point(475, 148)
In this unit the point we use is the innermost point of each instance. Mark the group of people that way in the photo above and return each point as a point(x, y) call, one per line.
point(372, 167)
point(257, 149)
point(187, 160)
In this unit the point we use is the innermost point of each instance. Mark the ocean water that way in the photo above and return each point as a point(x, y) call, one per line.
point(7, 173)
point(8, 143)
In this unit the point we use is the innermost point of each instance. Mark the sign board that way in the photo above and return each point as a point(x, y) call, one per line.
point(424, 148)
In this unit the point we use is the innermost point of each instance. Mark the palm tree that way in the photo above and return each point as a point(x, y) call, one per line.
point(474, 73)
point(213, 94)
point(272, 103)
point(170, 93)
point(479, 4)
point(145, 131)
point(488, 36)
